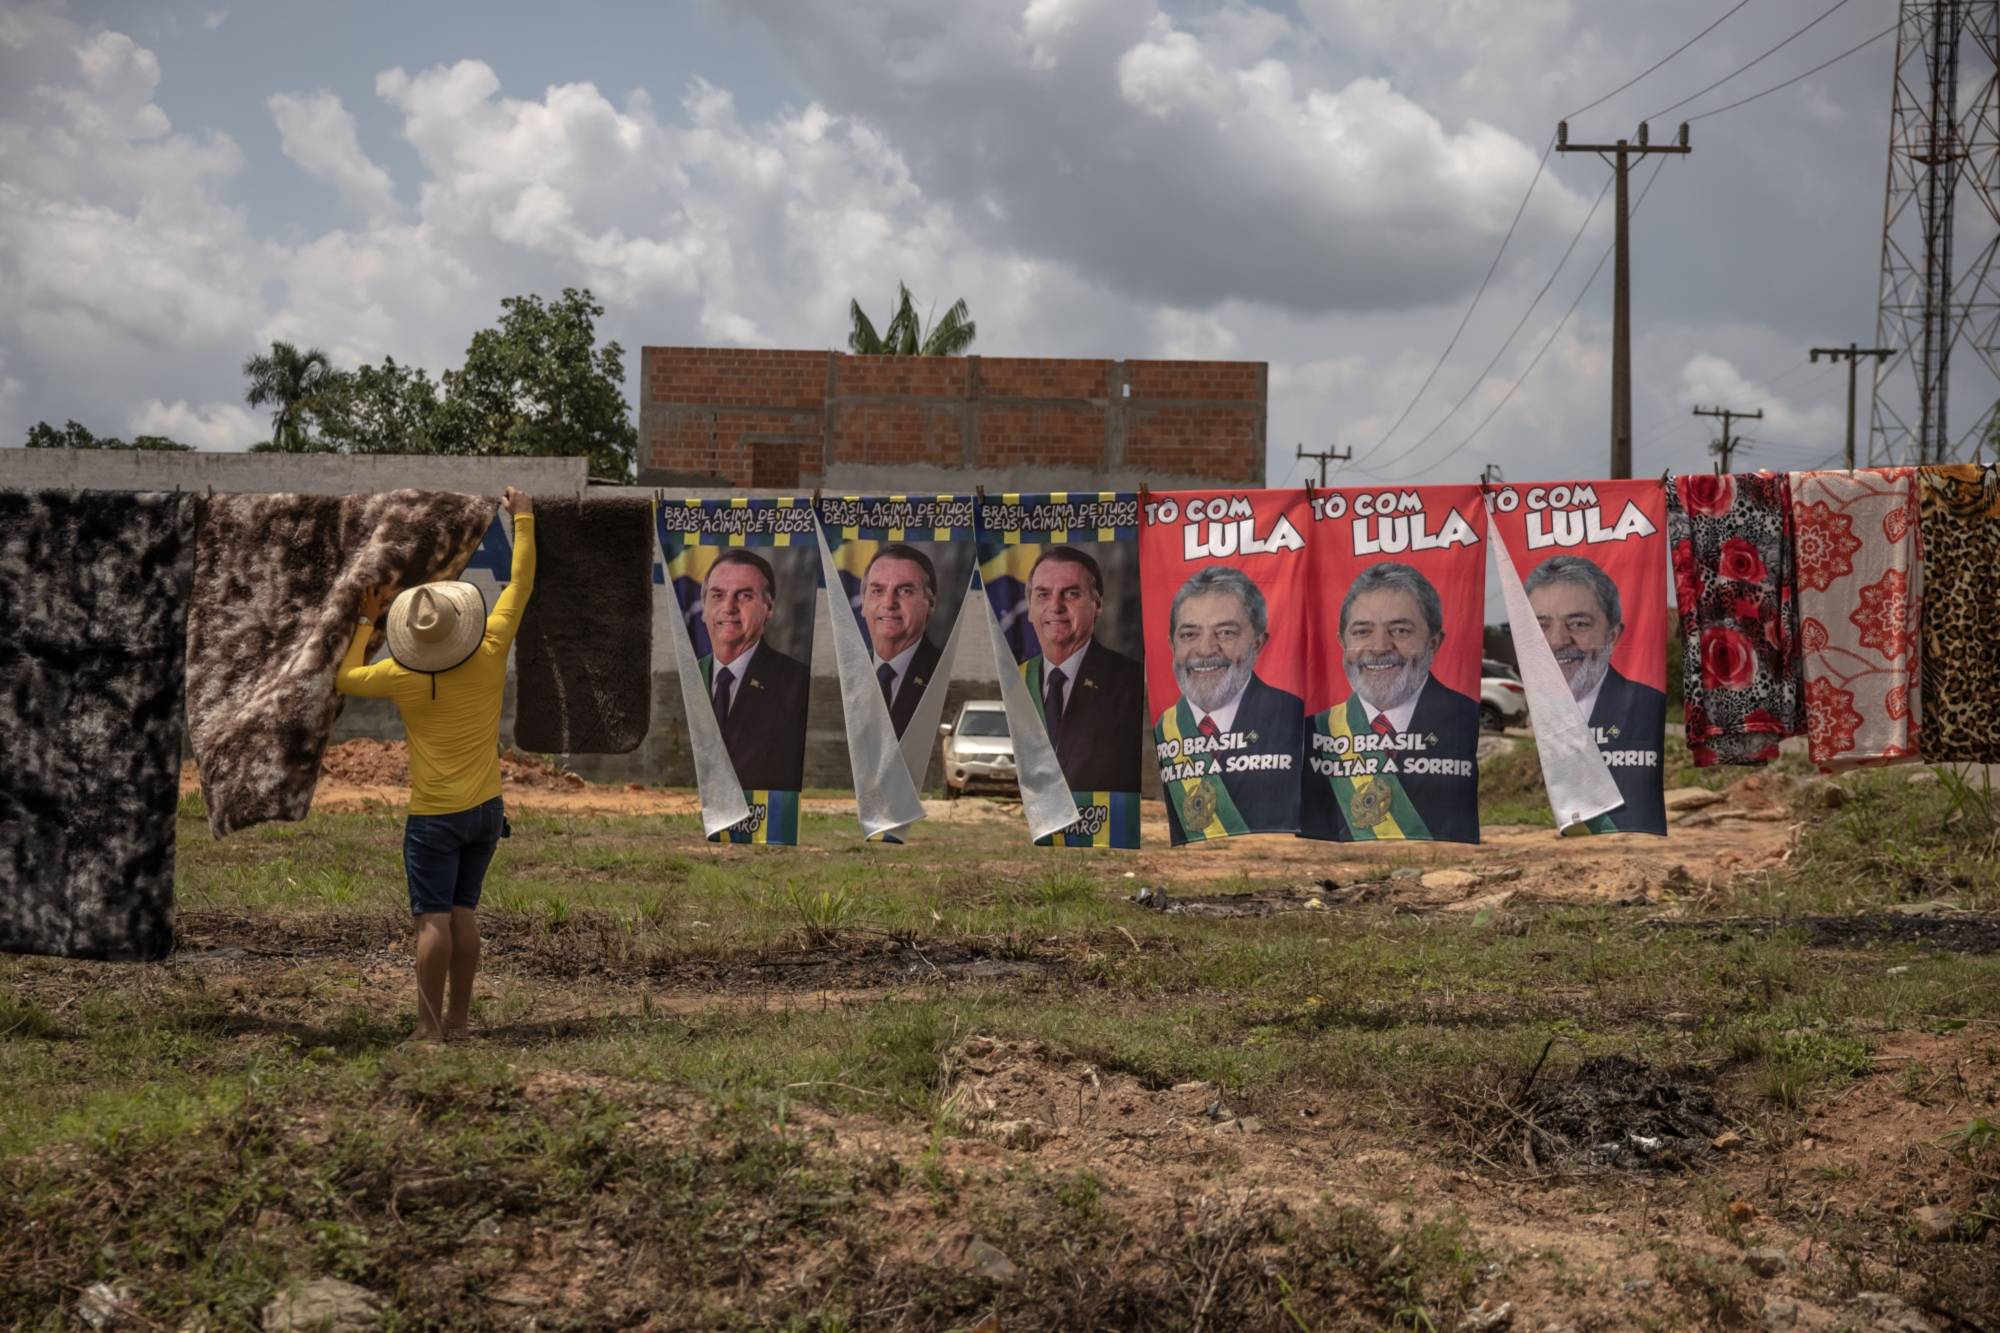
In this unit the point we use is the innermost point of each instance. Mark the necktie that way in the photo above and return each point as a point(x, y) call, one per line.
point(1382, 725)
point(1052, 701)
point(723, 680)
point(1208, 727)
point(887, 675)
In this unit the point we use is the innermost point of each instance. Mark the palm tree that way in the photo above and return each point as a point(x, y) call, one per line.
point(950, 336)
point(287, 377)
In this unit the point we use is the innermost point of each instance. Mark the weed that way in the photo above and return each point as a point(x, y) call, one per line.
point(822, 915)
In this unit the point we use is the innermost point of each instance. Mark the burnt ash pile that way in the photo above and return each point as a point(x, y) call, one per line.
point(1618, 1113)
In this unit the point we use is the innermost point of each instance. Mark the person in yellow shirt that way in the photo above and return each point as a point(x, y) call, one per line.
point(446, 670)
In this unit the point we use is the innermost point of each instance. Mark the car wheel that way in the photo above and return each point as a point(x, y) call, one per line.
point(1491, 718)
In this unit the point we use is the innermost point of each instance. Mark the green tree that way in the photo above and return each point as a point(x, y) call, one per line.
point(908, 336)
point(287, 379)
point(73, 435)
point(539, 384)
point(385, 409)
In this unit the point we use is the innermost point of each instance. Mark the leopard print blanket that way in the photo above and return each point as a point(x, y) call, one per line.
point(93, 615)
point(278, 583)
point(1959, 521)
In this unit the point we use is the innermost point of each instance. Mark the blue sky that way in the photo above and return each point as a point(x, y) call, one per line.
point(1320, 185)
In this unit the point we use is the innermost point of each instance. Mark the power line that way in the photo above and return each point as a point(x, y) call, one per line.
point(1777, 87)
point(1505, 398)
point(1656, 64)
point(1480, 378)
point(1522, 208)
point(1519, 211)
point(1742, 69)
point(1466, 318)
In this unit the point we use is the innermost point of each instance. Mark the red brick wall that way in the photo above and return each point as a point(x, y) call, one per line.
point(738, 415)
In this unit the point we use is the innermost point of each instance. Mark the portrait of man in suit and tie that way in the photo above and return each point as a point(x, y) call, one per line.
point(899, 593)
point(759, 693)
point(1582, 618)
point(1243, 733)
point(1091, 697)
point(1396, 759)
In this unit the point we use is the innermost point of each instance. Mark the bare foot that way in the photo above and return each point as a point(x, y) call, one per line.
point(458, 1034)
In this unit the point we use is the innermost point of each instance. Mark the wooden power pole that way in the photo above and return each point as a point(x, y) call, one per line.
point(1326, 456)
point(1851, 354)
point(1728, 444)
point(1620, 155)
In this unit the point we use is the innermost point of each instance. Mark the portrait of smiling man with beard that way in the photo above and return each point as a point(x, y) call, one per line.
point(1582, 618)
point(1396, 759)
point(1229, 746)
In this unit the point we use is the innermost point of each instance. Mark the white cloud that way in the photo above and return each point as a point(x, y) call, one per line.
point(317, 132)
point(207, 426)
point(1182, 163)
point(1788, 436)
point(1096, 177)
point(213, 19)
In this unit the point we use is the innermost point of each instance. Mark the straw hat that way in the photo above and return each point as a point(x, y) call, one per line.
point(436, 626)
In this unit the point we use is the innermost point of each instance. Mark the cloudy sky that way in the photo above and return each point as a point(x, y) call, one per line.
point(1319, 184)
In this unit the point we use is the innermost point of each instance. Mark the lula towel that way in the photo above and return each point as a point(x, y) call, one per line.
point(1858, 571)
point(1734, 589)
point(93, 616)
point(584, 658)
point(279, 581)
point(1961, 613)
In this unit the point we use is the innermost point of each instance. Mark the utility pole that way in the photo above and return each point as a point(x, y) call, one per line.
point(1326, 456)
point(1728, 444)
point(1851, 354)
point(1621, 301)
point(1490, 475)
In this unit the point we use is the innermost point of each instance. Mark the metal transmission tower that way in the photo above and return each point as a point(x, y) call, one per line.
point(1944, 145)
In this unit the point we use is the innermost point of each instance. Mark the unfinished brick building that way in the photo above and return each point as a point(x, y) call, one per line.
point(770, 419)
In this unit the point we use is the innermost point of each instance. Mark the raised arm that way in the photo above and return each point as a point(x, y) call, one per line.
point(506, 618)
point(355, 677)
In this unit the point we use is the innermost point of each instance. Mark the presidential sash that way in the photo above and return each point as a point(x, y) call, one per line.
point(1373, 800)
point(1200, 798)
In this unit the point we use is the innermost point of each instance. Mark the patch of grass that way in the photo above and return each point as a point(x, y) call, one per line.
point(1797, 1055)
point(1892, 841)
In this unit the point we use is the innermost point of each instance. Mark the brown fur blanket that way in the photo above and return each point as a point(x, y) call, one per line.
point(93, 615)
point(278, 583)
point(583, 660)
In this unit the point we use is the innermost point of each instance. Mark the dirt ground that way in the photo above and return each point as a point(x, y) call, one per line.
point(1748, 831)
point(1577, 1199)
point(1565, 1250)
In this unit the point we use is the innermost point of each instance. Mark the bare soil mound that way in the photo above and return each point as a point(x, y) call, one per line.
point(365, 763)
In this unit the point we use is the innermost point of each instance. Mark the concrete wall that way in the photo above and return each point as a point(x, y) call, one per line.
point(262, 474)
point(775, 418)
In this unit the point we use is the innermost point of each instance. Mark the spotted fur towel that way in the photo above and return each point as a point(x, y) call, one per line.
point(583, 661)
point(93, 618)
point(278, 583)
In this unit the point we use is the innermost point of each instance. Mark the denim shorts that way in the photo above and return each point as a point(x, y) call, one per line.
point(445, 856)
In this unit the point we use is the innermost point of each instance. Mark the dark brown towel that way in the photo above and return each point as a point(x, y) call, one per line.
point(278, 584)
point(584, 656)
point(93, 617)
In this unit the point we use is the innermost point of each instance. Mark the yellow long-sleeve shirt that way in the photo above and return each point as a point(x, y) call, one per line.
point(454, 727)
